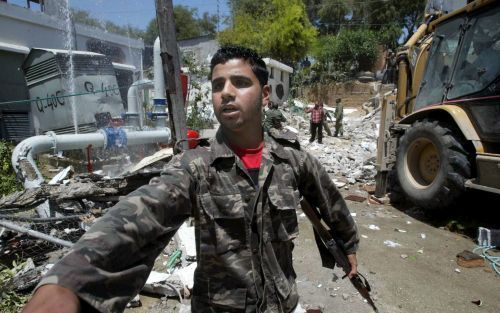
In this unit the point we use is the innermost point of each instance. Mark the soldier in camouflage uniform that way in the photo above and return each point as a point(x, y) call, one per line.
point(274, 117)
point(339, 116)
point(245, 219)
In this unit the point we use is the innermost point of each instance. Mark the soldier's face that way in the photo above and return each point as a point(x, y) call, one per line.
point(237, 96)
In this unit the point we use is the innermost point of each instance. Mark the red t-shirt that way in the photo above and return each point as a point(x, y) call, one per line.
point(251, 159)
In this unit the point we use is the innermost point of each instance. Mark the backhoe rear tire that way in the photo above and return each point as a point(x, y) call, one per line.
point(432, 164)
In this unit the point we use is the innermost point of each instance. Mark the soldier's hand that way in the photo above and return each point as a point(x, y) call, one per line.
point(53, 299)
point(354, 265)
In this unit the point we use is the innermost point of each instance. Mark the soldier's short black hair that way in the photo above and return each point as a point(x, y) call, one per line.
point(230, 52)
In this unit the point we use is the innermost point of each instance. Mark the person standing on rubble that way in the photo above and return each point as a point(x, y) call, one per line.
point(339, 116)
point(242, 190)
point(316, 123)
point(273, 117)
point(325, 122)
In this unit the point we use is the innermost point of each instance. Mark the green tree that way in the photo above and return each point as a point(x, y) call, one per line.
point(187, 24)
point(279, 29)
point(349, 51)
point(394, 19)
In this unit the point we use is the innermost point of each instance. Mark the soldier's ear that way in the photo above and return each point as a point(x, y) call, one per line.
point(266, 93)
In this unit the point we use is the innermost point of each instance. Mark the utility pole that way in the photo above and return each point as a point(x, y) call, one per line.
point(171, 70)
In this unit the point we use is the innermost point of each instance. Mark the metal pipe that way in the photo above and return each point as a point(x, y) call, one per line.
point(35, 234)
point(24, 153)
point(158, 71)
point(134, 109)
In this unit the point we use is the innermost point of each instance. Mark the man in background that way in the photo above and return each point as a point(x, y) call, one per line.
point(316, 122)
point(339, 116)
point(273, 117)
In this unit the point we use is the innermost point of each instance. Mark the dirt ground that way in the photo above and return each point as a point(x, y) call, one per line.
point(420, 275)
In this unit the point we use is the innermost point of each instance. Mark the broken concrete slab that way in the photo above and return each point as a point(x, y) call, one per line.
point(357, 196)
point(469, 259)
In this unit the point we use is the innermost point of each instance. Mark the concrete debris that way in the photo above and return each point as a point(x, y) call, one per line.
point(185, 308)
point(374, 200)
point(357, 196)
point(352, 156)
point(186, 275)
point(370, 188)
point(423, 236)
point(404, 256)
point(27, 277)
point(135, 302)
point(421, 251)
point(186, 242)
point(345, 296)
point(62, 175)
point(163, 284)
point(469, 259)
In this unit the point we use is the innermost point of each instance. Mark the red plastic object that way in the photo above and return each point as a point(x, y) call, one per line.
point(184, 85)
point(192, 134)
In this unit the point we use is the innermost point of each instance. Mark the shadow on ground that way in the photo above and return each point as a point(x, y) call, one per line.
point(475, 209)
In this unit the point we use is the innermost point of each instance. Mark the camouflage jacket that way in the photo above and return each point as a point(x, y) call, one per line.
point(273, 119)
point(244, 232)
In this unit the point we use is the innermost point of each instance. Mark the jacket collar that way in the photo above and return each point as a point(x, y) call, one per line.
point(220, 148)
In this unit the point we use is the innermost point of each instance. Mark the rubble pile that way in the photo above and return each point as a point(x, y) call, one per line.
point(351, 158)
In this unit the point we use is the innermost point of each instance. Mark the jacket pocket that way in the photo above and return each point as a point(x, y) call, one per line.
point(226, 217)
point(229, 300)
point(284, 203)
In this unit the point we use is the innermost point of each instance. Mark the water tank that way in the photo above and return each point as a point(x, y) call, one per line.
point(53, 84)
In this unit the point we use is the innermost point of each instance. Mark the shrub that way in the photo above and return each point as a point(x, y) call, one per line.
point(8, 183)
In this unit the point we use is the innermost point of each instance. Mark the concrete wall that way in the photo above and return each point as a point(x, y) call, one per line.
point(24, 27)
point(201, 48)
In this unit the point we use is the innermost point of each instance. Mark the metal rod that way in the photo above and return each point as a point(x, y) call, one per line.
point(35, 234)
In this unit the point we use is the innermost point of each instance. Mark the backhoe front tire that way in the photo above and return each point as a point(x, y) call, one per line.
point(432, 164)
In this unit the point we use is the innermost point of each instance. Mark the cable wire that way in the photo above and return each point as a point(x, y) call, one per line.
point(494, 260)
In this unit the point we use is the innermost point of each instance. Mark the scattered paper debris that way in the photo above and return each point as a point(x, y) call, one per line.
point(423, 236)
point(404, 256)
point(400, 230)
point(135, 302)
point(421, 251)
point(391, 244)
point(373, 227)
point(457, 270)
point(364, 236)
